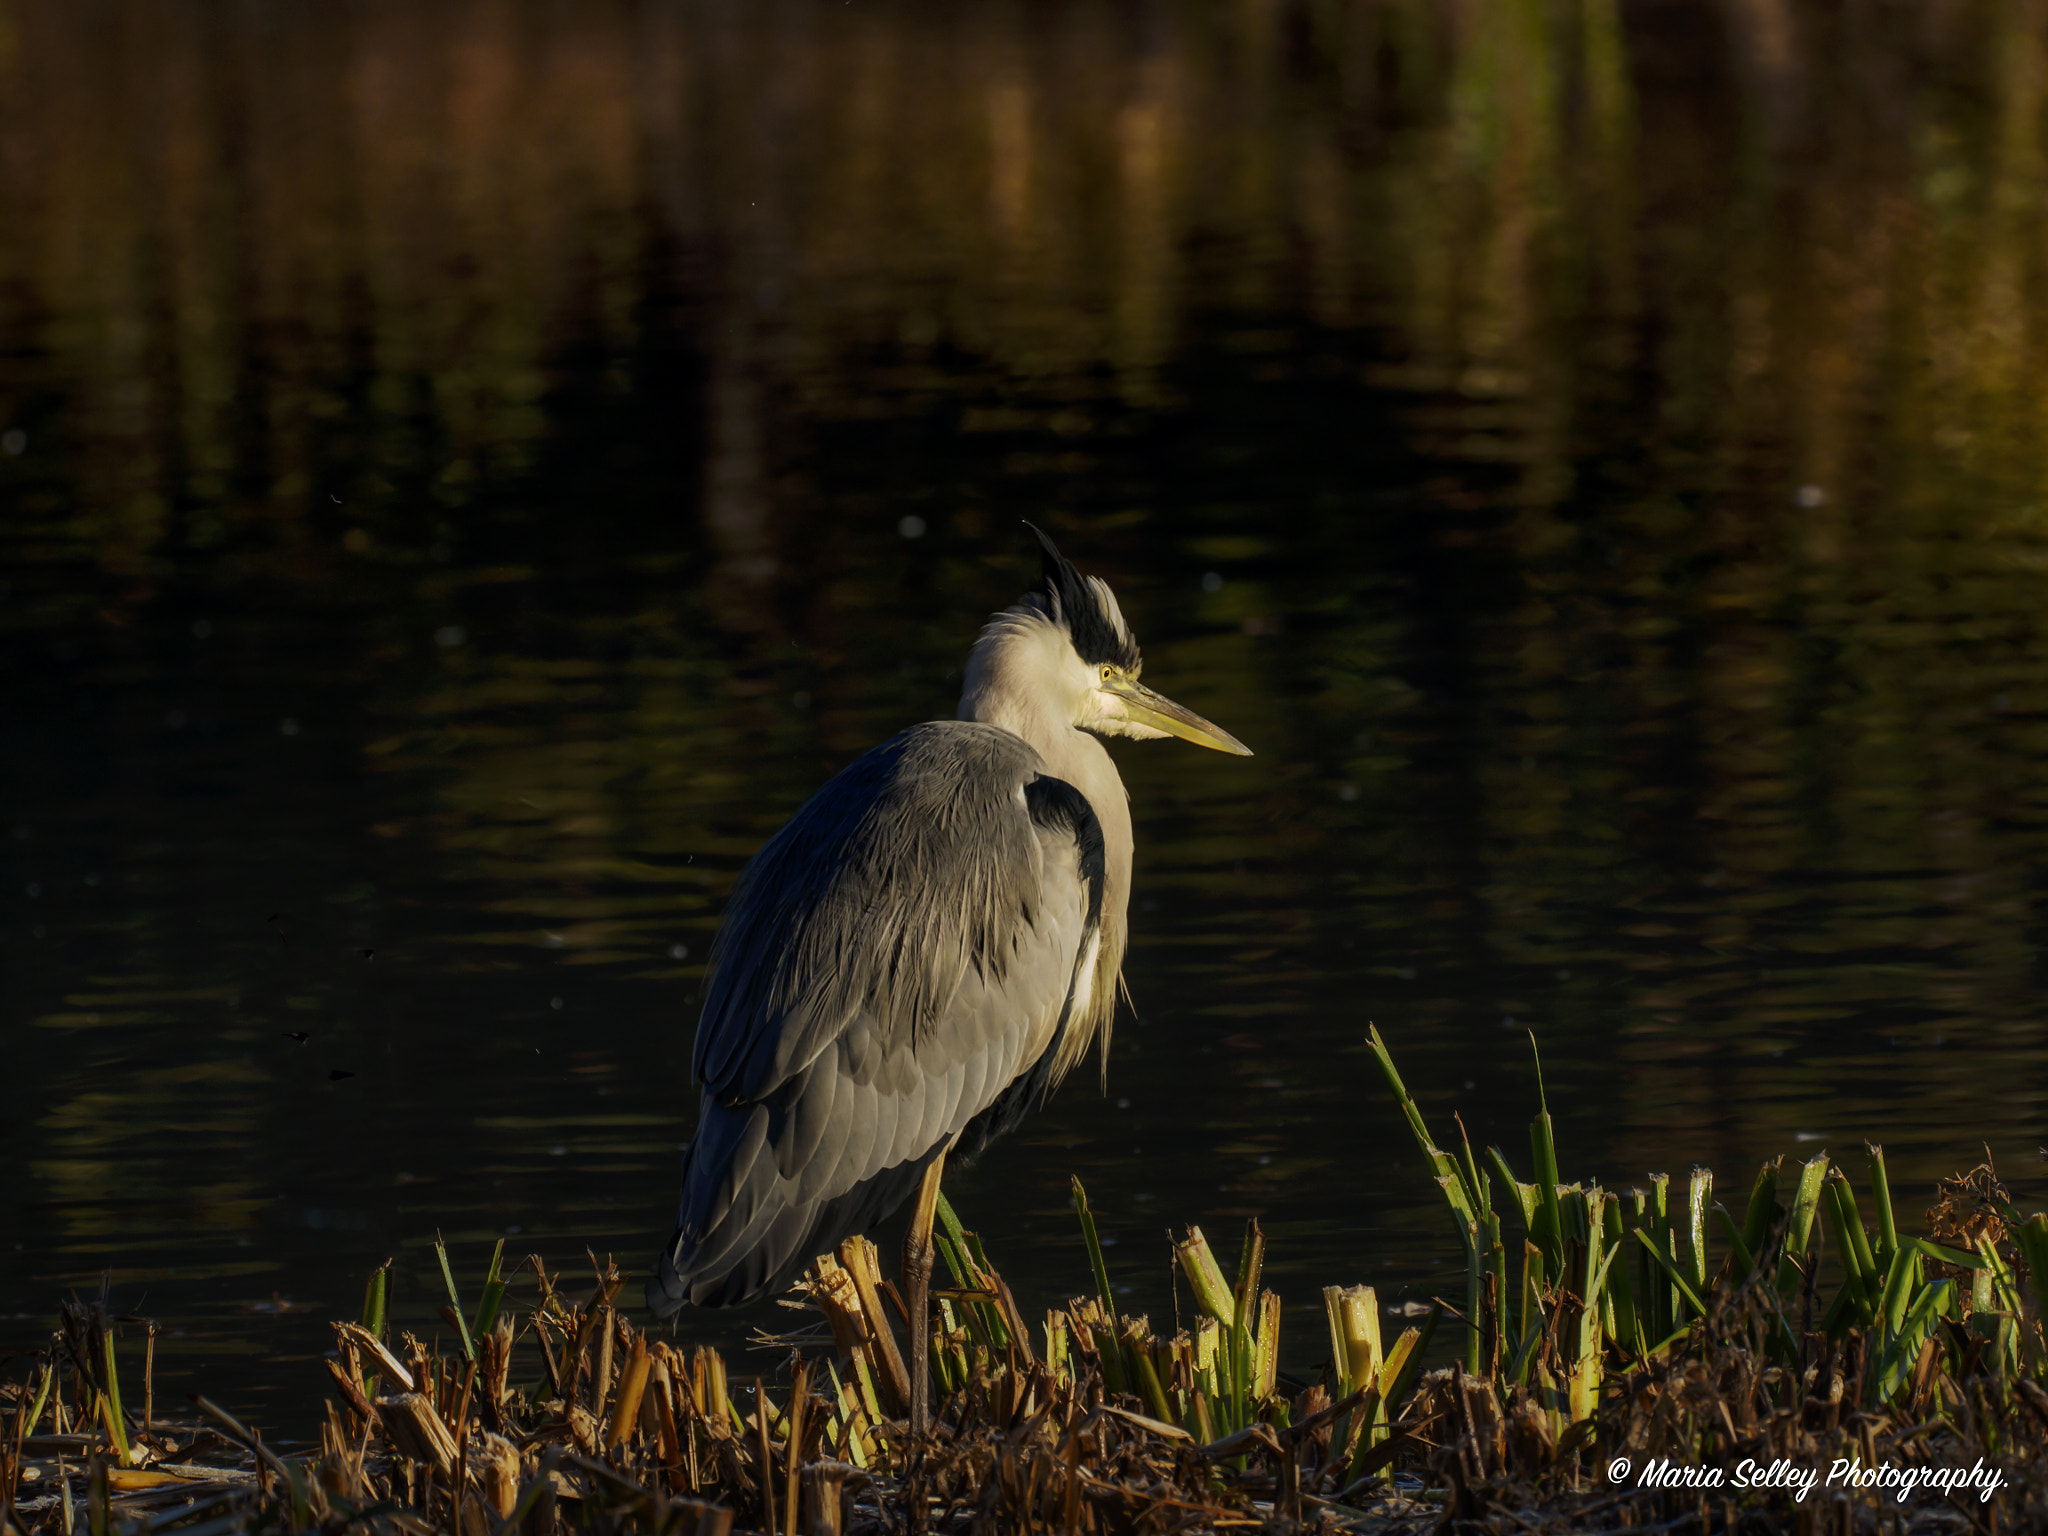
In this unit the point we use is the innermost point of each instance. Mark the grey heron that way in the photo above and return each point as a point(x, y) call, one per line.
point(926, 948)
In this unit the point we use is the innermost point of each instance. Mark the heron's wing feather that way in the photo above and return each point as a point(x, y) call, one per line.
point(916, 864)
point(898, 964)
point(772, 1183)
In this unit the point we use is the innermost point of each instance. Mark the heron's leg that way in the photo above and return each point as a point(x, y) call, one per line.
point(917, 1279)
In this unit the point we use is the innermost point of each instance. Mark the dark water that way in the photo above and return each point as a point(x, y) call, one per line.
point(470, 472)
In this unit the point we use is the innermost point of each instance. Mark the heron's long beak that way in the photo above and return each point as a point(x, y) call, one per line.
point(1145, 707)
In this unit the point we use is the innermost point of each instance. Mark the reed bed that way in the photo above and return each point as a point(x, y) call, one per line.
point(1794, 1333)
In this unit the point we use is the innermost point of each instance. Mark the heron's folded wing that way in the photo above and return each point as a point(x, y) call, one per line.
point(917, 866)
point(771, 1183)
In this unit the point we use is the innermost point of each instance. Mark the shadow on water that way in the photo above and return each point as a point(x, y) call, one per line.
point(469, 473)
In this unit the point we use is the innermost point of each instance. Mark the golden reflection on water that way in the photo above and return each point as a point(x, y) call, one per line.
point(464, 504)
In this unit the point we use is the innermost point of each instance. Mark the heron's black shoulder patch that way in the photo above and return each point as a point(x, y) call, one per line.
point(1087, 609)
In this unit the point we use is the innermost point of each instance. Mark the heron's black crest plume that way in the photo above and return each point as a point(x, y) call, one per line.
point(1085, 605)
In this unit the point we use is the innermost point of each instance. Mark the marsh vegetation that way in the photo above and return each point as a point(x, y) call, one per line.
point(1804, 1330)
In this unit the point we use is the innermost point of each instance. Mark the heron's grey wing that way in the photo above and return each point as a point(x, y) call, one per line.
point(918, 861)
point(898, 959)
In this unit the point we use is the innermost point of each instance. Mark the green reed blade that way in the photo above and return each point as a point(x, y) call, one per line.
point(1464, 1198)
point(117, 1424)
point(1596, 1288)
point(942, 1244)
point(1394, 1368)
point(1679, 1282)
point(1996, 1283)
point(2000, 1275)
point(1582, 1387)
point(1900, 1354)
point(1355, 1336)
point(493, 1299)
point(1745, 1261)
point(1342, 1372)
point(1983, 1284)
point(1094, 1245)
point(1543, 1150)
point(1411, 1365)
point(950, 1220)
point(1467, 1224)
point(1847, 1227)
point(1149, 1388)
point(997, 1317)
point(1471, 1234)
point(1881, 1194)
point(1469, 1169)
point(1497, 1268)
point(965, 1279)
point(1525, 1194)
point(454, 1300)
point(1532, 1289)
point(1363, 1429)
point(1620, 1289)
point(968, 1263)
point(375, 1295)
point(35, 1412)
point(969, 1266)
point(2031, 1238)
point(1699, 1194)
point(1251, 1261)
point(1806, 1203)
point(1671, 1338)
point(1517, 1372)
point(1975, 1262)
point(1266, 1348)
point(1762, 1213)
point(1205, 1277)
point(1475, 1296)
point(979, 1254)
point(941, 1348)
point(489, 1307)
point(1109, 1353)
point(1663, 1298)
point(1575, 1202)
point(1057, 1360)
point(1866, 1261)
point(1393, 1372)
point(1548, 1224)
point(1599, 1258)
point(1901, 1281)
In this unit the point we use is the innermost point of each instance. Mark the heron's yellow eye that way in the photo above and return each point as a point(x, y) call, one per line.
point(1107, 672)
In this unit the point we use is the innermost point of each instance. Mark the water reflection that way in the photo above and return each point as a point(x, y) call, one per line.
point(478, 470)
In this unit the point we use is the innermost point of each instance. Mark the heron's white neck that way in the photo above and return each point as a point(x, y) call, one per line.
point(1023, 675)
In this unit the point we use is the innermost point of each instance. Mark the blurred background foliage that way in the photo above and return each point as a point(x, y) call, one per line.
point(469, 470)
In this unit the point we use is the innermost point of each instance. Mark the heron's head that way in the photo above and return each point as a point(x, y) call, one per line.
point(1066, 651)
